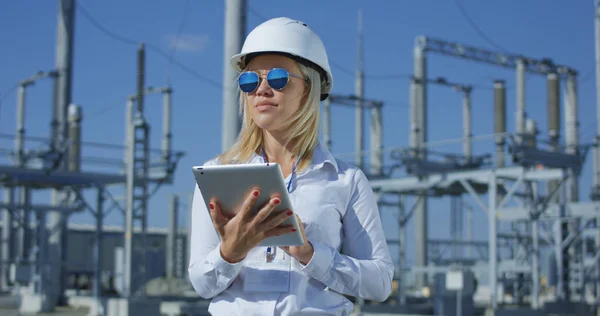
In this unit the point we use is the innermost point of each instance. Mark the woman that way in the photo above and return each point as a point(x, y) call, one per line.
point(284, 76)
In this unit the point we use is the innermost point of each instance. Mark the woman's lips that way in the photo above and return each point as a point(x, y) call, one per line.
point(265, 106)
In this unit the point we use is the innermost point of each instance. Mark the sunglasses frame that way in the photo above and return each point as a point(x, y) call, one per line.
point(264, 76)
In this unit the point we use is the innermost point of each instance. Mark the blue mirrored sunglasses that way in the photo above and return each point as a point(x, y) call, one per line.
point(277, 78)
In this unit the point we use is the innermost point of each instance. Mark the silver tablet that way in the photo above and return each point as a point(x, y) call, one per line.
point(231, 184)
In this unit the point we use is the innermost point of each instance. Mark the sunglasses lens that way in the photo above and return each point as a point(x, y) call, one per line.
point(248, 81)
point(277, 78)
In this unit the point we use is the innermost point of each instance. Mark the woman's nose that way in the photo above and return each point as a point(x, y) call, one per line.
point(263, 86)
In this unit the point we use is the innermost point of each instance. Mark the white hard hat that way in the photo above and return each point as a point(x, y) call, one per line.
point(284, 35)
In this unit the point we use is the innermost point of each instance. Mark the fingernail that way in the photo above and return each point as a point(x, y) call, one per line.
point(212, 206)
point(289, 213)
point(255, 193)
point(293, 229)
point(276, 201)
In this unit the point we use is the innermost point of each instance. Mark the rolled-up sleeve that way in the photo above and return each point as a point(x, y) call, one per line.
point(208, 272)
point(363, 268)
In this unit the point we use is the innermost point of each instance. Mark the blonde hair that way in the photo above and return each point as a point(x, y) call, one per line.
point(303, 129)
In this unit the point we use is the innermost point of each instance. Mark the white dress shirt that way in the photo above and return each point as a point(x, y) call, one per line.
point(336, 203)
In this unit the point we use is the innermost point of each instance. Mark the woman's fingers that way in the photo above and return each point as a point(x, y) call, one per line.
point(301, 226)
point(276, 220)
point(248, 205)
point(277, 231)
point(265, 211)
point(219, 220)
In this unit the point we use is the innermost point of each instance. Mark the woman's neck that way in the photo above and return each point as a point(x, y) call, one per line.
point(276, 151)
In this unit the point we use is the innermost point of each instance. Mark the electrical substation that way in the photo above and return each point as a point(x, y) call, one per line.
point(529, 181)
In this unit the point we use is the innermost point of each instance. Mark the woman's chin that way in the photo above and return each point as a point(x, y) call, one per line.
point(265, 122)
point(272, 128)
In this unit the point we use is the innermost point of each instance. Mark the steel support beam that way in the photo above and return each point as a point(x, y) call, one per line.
point(40, 207)
point(459, 50)
point(582, 210)
point(411, 184)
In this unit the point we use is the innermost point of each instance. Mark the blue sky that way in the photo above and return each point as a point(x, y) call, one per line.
point(104, 72)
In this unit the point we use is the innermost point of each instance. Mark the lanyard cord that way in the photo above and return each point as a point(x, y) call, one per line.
point(270, 256)
point(289, 185)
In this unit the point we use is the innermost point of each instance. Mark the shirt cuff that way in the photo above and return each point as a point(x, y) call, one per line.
point(319, 265)
point(224, 268)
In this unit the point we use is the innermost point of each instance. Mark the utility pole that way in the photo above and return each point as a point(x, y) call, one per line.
point(420, 98)
point(58, 220)
point(172, 236)
point(359, 91)
point(521, 113)
point(137, 188)
point(596, 185)
point(553, 108)
point(467, 135)
point(500, 121)
point(235, 31)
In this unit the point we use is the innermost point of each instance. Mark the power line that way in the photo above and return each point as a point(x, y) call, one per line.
point(477, 29)
point(107, 108)
point(179, 30)
point(4, 96)
point(102, 28)
point(389, 76)
point(258, 15)
point(151, 47)
point(341, 68)
point(169, 57)
point(479, 32)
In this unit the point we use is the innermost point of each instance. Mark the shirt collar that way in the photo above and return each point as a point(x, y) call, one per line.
point(321, 156)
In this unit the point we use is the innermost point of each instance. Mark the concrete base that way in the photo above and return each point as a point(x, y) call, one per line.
point(97, 307)
point(94, 307)
point(132, 307)
point(520, 311)
point(30, 304)
point(177, 308)
point(118, 306)
point(33, 304)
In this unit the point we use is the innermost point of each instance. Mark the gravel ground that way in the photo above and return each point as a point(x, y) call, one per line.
point(66, 311)
point(9, 307)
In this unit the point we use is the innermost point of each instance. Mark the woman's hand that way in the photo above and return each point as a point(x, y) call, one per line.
point(244, 231)
point(302, 253)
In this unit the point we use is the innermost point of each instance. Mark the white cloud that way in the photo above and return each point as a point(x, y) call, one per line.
point(191, 43)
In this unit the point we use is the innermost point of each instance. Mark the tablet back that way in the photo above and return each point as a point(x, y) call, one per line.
point(231, 185)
